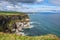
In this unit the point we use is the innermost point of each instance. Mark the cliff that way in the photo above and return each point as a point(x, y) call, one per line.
point(13, 22)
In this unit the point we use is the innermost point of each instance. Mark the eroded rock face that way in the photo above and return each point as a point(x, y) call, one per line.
point(14, 23)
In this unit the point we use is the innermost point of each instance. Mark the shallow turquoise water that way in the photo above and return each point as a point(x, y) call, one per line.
point(44, 23)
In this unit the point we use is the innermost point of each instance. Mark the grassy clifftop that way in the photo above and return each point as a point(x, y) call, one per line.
point(11, 13)
point(4, 36)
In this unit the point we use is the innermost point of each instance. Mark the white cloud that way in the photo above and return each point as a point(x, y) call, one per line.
point(55, 2)
point(6, 6)
point(10, 8)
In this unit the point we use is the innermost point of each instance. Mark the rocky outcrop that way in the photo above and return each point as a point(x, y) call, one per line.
point(13, 23)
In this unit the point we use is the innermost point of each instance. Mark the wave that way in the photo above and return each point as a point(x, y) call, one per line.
point(32, 24)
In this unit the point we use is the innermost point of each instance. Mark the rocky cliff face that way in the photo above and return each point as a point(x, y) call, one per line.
point(14, 23)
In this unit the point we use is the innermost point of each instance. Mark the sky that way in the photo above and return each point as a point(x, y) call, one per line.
point(30, 5)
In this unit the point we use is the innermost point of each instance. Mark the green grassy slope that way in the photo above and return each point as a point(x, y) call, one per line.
point(6, 36)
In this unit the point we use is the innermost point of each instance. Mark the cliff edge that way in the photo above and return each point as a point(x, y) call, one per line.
point(13, 22)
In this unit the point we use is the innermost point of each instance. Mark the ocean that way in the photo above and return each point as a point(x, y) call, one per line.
point(43, 24)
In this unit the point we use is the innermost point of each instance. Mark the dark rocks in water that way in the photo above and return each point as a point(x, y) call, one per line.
point(8, 22)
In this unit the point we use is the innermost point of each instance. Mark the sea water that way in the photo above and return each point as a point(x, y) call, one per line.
point(43, 24)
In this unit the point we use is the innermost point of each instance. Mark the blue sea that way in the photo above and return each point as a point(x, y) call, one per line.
point(43, 24)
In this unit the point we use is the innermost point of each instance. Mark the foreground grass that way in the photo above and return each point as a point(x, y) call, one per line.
point(6, 36)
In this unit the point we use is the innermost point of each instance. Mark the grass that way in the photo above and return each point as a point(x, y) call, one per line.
point(6, 36)
point(11, 13)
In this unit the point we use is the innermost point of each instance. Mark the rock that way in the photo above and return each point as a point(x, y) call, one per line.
point(20, 33)
point(13, 23)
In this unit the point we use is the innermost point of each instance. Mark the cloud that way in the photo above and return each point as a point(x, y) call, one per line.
point(7, 6)
point(23, 1)
point(39, 1)
point(55, 2)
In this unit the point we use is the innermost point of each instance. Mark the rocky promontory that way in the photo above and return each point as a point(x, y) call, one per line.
point(13, 22)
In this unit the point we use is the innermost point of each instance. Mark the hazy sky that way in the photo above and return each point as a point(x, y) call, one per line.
point(30, 5)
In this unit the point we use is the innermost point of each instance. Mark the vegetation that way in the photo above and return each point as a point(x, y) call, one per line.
point(10, 13)
point(6, 36)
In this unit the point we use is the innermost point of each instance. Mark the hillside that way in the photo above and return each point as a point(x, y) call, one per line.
point(6, 36)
